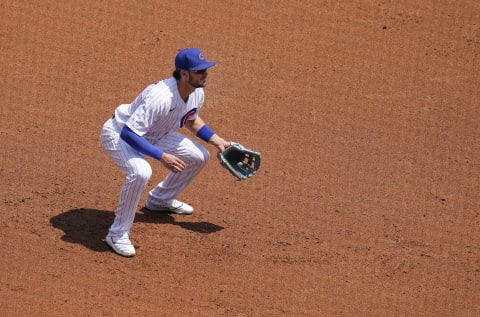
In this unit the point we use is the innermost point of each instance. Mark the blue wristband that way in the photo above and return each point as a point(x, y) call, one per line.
point(205, 133)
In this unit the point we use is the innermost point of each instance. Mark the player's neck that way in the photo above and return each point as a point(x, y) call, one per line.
point(184, 89)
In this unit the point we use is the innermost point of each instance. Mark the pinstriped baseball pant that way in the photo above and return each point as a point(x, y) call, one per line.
point(138, 171)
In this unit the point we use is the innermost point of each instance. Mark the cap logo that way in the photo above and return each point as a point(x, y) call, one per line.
point(192, 59)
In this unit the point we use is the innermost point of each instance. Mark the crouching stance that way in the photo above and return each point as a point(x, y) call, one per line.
point(148, 126)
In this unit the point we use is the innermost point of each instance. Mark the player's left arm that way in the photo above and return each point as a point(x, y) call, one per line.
point(204, 132)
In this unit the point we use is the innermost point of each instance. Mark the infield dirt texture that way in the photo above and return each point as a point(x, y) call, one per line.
point(367, 202)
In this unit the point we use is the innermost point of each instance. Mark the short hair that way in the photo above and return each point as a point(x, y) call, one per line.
point(176, 74)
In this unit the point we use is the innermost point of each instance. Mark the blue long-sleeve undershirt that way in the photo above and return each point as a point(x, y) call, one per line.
point(140, 144)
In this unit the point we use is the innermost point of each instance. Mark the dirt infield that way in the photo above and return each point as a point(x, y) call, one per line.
point(367, 202)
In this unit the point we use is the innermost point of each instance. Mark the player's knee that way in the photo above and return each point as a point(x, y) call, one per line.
point(203, 156)
point(140, 174)
point(145, 173)
point(198, 157)
point(139, 178)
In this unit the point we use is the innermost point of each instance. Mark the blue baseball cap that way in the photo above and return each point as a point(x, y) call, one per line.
point(192, 59)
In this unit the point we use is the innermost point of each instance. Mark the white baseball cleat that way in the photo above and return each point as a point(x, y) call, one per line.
point(174, 206)
point(121, 244)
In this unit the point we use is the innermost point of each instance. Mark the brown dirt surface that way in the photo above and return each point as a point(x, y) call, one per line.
point(367, 202)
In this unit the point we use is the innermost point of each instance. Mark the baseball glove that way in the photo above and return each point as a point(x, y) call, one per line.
point(240, 161)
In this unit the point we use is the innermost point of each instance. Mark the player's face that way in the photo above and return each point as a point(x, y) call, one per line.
point(198, 78)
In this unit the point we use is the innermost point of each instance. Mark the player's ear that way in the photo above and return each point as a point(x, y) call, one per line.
point(183, 73)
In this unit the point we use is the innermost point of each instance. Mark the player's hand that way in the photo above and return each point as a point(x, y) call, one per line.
point(172, 162)
point(219, 143)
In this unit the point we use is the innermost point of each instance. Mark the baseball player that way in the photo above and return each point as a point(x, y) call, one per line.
point(148, 126)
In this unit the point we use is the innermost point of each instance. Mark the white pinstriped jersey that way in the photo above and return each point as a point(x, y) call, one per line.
point(159, 110)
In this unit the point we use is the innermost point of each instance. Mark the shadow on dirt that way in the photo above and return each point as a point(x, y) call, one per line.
point(90, 226)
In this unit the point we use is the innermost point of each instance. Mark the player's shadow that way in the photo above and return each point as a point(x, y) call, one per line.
point(90, 226)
